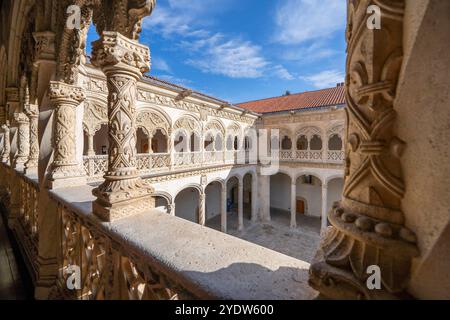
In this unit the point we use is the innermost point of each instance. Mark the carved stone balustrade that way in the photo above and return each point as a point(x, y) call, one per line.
point(132, 258)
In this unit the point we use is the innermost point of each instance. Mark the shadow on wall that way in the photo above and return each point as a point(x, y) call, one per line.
point(250, 281)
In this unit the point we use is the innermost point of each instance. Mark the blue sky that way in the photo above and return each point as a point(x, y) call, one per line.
point(241, 50)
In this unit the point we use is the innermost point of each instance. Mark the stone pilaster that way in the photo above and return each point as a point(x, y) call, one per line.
point(6, 143)
point(65, 170)
point(23, 141)
point(123, 193)
point(368, 226)
point(32, 112)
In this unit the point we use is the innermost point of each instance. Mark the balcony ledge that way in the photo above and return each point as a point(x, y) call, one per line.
point(208, 263)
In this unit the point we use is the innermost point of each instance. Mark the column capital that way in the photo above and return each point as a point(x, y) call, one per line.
point(114, 50)
point(45, 45)
point(31, 110)
point(21, 118)
point(63, 93)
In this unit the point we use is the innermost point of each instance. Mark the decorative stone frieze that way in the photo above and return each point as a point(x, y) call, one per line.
point(368, 225)
point(23, 140)
point(123, 193)
point(65, 171)
point(32, 111)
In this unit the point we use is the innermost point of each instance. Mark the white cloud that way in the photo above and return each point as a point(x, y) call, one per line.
point(282, 73)
point(160, 64)
point(325, 79)
point(302, 20)
point(234, 58)
point(184, 22)
point(175, 80)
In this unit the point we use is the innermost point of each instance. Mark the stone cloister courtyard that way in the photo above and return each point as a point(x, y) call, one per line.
point(172, 152)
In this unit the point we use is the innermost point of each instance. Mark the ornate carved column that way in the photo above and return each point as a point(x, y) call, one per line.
point(241, 205)
point(223, 209)
point(23, 140)
point(32, 112)
point(6, 143)
point(202, 209)
point(123, 193)
point(324, 221)
point(65, 171)
point(368, 225)
point(294, 204)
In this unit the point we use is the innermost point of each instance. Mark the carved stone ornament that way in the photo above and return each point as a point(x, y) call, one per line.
point(6, 144)
point(23, 145)
point(65, 99)
point(32, 111)
point(368, 225)
point(113, 49)
point(123, 193)
point(44, 45)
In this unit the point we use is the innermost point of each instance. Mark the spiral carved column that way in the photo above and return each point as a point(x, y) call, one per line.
point(123, 193)
point(32, 112)
point(368, 224)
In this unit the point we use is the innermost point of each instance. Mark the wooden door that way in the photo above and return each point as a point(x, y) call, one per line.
point(300, 206)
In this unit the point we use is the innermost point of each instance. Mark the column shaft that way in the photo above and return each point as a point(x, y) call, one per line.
point(32, 112)
point(201, 209)
point(294, 204)
point(65, 171)
point(241, 206)
point(223, 209)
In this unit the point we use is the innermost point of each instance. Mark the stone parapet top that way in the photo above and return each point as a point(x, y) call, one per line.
point(210, 263)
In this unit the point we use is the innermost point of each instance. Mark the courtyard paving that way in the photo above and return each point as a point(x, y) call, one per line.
point(300, 243)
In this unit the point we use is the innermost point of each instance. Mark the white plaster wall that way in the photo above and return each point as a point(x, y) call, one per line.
point(213, 198)
point(280, 192)
point(186, 205)
point(313, 196)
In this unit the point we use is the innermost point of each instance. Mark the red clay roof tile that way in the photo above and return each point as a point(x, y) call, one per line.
point(310, 99)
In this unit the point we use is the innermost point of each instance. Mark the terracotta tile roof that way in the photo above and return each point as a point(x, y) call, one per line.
point(305, 100)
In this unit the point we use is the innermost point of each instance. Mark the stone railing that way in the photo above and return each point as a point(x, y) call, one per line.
point(140, 258)
point(96, 166)
point(335, 156)
point(24, 206)
point(312, 156)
